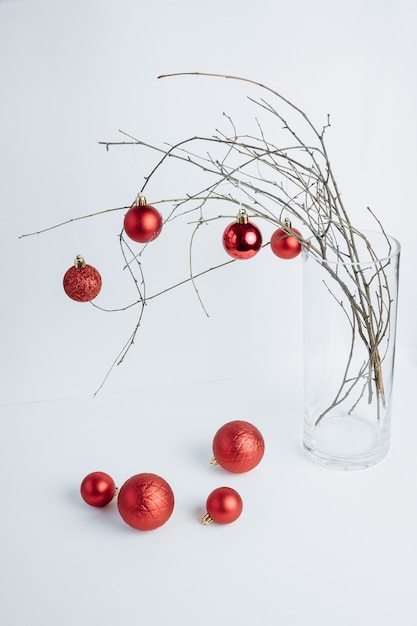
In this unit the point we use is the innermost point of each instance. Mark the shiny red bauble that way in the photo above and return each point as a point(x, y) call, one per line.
point(82, 282)
point(224, 505)
point(238, 446)
point(242, 239)
point(286, 246)
point(98, 489)
point(142, 222)
point(145, 501)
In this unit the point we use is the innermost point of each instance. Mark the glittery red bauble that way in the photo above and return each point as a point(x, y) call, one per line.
point(238, 446)
point(82, 282)
point(98, 489)
point(242, 240)
point(284, 245)
point(224, 505)
point(143, 223)
point(145, 501)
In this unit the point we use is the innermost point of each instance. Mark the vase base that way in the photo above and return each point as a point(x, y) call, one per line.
point(346, 443)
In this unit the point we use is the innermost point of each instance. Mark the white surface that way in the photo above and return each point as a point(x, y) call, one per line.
point(312, 546)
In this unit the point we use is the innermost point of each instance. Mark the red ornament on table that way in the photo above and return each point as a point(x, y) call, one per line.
point(224, 505)
point(238, 447)
point(145, 501)
point(82, 282)
point(142, 222)
point(284, 245)
point(242, 239)
point(98, 489)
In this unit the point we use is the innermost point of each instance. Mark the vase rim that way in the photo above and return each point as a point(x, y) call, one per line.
point(370, 235)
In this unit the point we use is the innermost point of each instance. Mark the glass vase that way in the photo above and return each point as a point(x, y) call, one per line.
point(350, 293)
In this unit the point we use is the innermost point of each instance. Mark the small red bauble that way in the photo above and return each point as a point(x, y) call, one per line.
point(82, 282)
point(283, 245)
point(145, 501)
point(238, 446)
point(224, 505)
point(98, 489)
point(242, 239)
point(142, 222)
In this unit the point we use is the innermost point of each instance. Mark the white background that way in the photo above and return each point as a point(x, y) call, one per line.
point(312, 545)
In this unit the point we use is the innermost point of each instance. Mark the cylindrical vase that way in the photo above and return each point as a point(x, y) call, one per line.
point(349, 322)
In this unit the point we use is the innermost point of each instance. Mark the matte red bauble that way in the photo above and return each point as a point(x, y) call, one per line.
point(242, 239)
point(145, 501)
point(98, 489)
point(224, 505)
point(82, 282)
point(283, 245)
point(238, 446)
point(142, 222)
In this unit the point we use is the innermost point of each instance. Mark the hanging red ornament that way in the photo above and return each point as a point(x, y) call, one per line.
point(145, 501)
point(242, 239)
point(98, 489)
point(284, 245)
point(82, 282)
point(142, 222)
point(224, 505)
point(238, 447)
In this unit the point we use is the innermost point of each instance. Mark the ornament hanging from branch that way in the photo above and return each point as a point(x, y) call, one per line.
point(284, 244)
point(82, 282)
point(142, 222)
point(242, 239)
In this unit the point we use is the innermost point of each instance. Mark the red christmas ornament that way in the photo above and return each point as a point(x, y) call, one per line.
point(242, 239)
point(142, 222)
point(145, 501)
point(238, 447)
point(82, 282)
point(224, 505)
point(283, 245)
point(98, 489)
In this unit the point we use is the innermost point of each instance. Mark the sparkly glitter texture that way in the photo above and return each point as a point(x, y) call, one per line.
point(145, 501)
point(82, 283)
point(238, 446)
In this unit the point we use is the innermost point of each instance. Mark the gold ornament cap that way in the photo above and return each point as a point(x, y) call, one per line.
point(79, 261)
point(140, 200)
point(242, 217)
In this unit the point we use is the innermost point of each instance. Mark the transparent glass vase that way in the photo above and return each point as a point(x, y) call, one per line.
point(349, 323)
